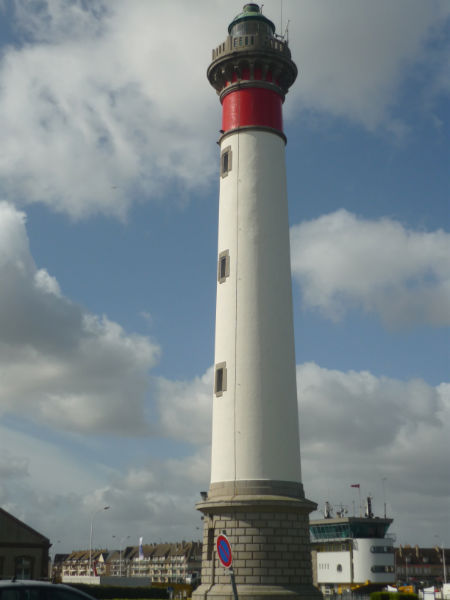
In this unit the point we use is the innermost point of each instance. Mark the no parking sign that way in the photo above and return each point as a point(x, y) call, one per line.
point(224, 551)
point(226, 558)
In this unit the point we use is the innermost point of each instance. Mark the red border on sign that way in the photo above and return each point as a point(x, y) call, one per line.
point(224, 545)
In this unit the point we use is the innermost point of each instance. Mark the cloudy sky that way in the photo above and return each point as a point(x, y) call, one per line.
point(108, 233)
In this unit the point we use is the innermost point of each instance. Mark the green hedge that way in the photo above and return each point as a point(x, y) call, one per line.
point(108, 592)
point(392, 596)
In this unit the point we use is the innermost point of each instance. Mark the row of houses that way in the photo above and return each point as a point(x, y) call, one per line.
point(414, 564)
point(24, 553)
point(161, 563)
point(181, 563)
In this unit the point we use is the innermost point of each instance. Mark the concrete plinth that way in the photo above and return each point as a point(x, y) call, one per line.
point(269, 537)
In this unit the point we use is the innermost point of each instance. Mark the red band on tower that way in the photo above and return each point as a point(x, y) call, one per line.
point(252, 106)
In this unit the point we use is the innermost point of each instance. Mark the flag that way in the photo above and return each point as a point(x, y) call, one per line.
point(141, 551)
point(355, 485)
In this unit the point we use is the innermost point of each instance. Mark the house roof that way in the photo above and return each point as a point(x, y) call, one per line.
point(416, 555)
point(13, 529)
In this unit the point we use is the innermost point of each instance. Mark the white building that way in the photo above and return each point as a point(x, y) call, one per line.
point(349, 552)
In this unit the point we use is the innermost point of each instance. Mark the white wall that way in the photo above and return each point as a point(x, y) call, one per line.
point(333, 567)
point(363, 561)
point(108, 580)
point(255, 421)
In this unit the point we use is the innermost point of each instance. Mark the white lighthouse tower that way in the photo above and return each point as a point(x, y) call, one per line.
point(256, 496)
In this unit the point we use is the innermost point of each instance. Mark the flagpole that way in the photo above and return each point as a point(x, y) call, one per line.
point(357, 485)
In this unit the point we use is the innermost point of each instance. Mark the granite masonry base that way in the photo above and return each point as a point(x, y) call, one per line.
point(269, 537)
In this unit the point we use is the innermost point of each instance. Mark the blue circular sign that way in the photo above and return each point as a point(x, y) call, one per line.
point(224, 551)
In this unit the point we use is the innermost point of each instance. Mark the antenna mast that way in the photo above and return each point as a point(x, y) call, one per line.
point(281, 15)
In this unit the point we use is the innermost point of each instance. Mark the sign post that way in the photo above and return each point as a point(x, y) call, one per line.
point(226, 559)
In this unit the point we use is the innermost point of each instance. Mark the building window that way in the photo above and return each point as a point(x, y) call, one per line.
point(23, 567)
point(223, 270)
point(210, 547)
point(339, 568)
point(382, 549)
point(220, 380)
point(225, 161)
point(382, 569)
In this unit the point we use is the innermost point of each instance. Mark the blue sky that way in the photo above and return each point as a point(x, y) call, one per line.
point(108, 235)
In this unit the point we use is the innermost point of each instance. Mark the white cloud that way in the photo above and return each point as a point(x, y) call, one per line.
point(372, 414)
point(354, 56)
point(45, 282)
point(358, 428)
point(185, 408)
point(91, 109)
point(12, 467)
point(355, 428)
point(60, 365)
point(108, 102)
point(342, 261)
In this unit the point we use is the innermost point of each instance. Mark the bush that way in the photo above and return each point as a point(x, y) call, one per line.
point(109, 592)
point(392, 596)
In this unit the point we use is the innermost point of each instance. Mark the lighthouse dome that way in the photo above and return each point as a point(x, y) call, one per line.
point(249, 21)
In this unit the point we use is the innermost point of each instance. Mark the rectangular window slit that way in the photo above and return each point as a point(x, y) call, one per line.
point(224, 266)
point(220, 379)
point(225, 161)
point(210, 548)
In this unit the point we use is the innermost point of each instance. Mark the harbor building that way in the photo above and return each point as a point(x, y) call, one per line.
point(350, 552)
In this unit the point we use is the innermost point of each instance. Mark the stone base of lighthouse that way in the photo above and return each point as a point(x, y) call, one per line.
point(269, 537)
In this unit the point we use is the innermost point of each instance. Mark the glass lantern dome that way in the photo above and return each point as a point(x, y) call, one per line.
point(251, 21)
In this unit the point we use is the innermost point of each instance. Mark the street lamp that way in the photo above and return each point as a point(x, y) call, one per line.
point(120, 552)
point(443, 558)
point(90, 537)
point(52, 560)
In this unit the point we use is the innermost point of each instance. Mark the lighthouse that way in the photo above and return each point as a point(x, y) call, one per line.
point(256, 496)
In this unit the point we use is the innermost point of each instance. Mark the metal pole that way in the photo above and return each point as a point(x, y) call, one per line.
point(443, 563)
point(90, 545)
point(90, 537)
point(443, 557)
point(233, 583)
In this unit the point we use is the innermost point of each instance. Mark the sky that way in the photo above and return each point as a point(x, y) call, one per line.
point(108, 249)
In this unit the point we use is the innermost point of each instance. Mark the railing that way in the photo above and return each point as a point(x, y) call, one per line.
point(248, 42)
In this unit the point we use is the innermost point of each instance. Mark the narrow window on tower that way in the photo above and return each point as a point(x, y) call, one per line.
point(223, 270)
point(220, 380)
point(210, 547)
point(225, 161)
